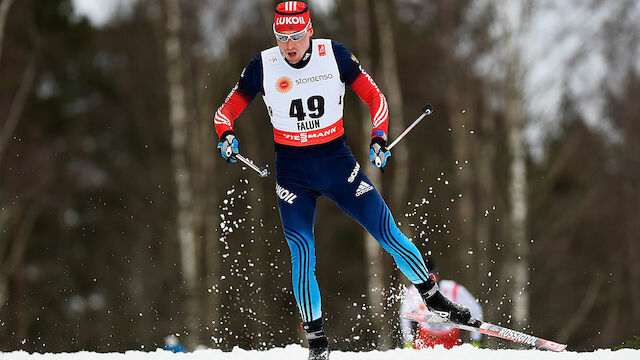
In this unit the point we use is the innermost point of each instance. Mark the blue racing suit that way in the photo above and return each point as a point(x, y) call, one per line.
point(303, 175)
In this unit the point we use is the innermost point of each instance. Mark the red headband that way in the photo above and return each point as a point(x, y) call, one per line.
point(291, 16)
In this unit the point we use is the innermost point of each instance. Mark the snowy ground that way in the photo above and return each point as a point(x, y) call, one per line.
point(298, 352)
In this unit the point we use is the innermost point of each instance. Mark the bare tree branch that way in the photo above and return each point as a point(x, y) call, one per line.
point(585, 307)
point(15, 111)
point(17, 249)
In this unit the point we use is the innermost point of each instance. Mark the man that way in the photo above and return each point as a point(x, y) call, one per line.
point(302, 82)
point(427, 335)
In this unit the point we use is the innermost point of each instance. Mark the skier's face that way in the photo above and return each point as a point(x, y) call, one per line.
point(293, 50)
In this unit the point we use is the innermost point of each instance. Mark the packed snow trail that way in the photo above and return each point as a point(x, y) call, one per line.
point(296, 352)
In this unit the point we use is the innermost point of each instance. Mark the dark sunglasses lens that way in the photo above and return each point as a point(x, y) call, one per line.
point(297, 36)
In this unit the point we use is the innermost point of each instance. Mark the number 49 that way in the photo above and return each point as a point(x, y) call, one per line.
point(315, 105)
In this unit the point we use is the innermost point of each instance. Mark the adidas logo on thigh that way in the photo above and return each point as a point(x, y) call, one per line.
point(363, 188)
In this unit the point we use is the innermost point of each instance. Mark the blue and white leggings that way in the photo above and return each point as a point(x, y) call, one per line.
point(304, 174)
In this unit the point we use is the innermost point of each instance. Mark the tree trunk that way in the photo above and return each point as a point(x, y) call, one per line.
point(205, 200)
point(488, 194)
point(179, 133)
point(393, 91)
point(4, 12)
point(462, 144)
point(516, 269)
point(257, 250)
point(373, 254)
point(518, 260)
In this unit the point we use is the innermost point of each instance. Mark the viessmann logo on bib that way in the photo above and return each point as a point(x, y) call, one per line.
point(284, 84)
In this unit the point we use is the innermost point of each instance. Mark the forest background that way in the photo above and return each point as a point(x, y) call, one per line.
point(120, 223)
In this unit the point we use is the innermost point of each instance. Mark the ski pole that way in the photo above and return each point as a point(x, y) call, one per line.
point(426, 110)
point(262, 171)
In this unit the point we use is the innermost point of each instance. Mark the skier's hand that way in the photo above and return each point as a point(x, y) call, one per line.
point(228, 146)
point(476, 344)
point(378, 152)
point(408, 345)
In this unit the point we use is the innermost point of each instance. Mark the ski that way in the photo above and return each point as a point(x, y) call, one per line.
point(488, 329)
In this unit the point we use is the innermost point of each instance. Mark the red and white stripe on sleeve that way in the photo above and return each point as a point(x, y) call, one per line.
point(369, 92)
point(232, 107)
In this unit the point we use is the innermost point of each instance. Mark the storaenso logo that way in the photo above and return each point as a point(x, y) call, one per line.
point(518, 336)
point(313, 79)
point(284, 194)
point(290, 20)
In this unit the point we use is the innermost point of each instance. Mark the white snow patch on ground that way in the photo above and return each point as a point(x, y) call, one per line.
point(298, 352)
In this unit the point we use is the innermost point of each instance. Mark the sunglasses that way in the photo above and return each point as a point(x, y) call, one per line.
point(295, 36)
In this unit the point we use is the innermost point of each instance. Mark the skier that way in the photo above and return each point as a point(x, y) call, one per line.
point(430, 335)
point(302, 82)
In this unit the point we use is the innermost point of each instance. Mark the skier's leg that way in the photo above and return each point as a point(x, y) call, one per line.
point(356, 196)
point(297, 207)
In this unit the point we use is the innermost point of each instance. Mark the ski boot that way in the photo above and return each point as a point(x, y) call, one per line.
point(440, 305)
point(318, 341)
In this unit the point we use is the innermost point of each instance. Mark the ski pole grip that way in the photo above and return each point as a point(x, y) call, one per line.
point(427, 109)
